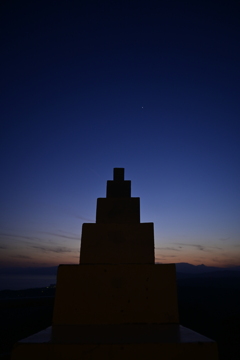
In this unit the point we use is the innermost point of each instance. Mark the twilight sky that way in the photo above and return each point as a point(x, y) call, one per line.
point(151, 86)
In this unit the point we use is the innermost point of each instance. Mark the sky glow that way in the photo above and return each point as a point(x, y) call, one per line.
point(150, 86)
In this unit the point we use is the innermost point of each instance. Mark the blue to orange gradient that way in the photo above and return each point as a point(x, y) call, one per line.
point(149, 86)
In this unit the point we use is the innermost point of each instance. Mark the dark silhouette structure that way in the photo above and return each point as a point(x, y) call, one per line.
point(116, 304)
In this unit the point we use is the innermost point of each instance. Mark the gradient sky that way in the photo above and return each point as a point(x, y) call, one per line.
point(151, 86)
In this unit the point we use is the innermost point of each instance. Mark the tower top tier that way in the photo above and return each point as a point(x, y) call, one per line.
point(118, 187)
point(118, 174)
point(118, 237)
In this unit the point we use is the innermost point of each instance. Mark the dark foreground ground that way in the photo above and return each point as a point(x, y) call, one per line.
point(210, 306)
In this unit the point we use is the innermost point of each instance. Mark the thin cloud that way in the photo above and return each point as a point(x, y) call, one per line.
point(27, 239)
point(75, 256)
point(41, 244)
point(83, 218)
point(66, 232)
point(76, 216)
point(200, 246)
point(21, 256)
point(165, 256)
point(24, 237)
point(224, 239)
point(167, 248)
point(216, 260)
point(57, 249)
point(61, 236)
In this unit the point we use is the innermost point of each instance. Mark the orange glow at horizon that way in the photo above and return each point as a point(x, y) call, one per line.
point(52, 259)
point(228, 259)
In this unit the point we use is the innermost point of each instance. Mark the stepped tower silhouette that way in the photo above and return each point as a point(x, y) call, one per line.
point(117, 303)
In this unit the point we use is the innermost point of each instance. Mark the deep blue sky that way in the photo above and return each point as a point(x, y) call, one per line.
point(151, 86)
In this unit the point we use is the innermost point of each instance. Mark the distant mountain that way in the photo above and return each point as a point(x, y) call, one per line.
point(186, 268)
point(195, 269)
point(188, 271)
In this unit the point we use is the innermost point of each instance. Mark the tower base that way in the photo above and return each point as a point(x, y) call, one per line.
point(117, 342)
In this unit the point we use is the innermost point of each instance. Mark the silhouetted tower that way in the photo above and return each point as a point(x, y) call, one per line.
point(116, 304)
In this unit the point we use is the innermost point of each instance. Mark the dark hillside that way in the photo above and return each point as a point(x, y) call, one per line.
point(23, 313)
point(210, 306)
